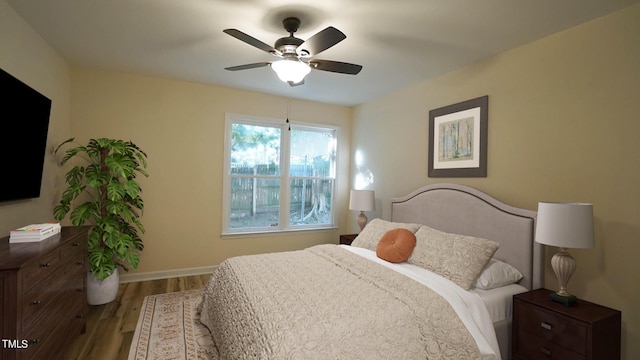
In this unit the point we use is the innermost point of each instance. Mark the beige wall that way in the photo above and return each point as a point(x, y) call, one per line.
point(181, 127)
point(25, 55)
point(563, 126)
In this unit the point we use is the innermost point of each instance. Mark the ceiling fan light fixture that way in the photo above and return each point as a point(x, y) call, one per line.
point(296, 54)
point(291, 70)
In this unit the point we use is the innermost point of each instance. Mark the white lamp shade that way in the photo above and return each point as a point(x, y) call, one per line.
point(362, 200)
point(565, 225)
point(291, 70)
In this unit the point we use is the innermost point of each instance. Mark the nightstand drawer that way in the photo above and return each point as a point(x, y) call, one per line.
point(582, 331)
point(553, 328)
point(534, 347)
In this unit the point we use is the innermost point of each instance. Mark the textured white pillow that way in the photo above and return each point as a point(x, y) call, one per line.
point(497, 274)
point(370, 236)
point(458, 258)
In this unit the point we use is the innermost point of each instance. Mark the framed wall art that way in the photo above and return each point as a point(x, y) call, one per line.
point(458, 139)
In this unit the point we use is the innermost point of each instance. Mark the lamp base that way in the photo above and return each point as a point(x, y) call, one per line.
point(362, 220)
point(563, 265)
point(564, 300)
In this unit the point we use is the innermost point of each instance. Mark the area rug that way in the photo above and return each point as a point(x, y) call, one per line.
point(169, 328)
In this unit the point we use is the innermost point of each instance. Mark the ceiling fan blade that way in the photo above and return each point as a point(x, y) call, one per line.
point(248, 66)
point(320, 42)
point(251, 40)
point(336, 66)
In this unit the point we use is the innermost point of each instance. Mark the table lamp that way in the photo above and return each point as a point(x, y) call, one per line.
point(567, 226)
point(362, 200)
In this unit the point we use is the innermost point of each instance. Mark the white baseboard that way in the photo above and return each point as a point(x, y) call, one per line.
point(155, 275)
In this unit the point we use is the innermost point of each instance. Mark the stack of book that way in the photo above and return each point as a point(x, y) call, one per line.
point(34, 232)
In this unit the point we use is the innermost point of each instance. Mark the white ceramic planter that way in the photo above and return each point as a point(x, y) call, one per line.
point(102, 291)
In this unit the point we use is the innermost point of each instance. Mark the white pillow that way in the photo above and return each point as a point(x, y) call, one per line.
point(457, 257)
point(497, 274)
point(370, 236)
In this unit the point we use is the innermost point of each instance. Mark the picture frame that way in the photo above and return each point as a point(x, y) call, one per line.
point(458, 139)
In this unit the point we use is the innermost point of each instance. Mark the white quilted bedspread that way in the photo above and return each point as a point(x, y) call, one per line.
point(328, 303)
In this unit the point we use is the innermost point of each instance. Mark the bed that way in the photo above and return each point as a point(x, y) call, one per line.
point(345, 302)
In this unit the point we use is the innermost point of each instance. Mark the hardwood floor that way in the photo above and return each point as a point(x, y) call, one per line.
point(110, 327)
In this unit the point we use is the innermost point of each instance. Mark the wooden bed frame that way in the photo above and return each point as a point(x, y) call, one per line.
point(464, 210)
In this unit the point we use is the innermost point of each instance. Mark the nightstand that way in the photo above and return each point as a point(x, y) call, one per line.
point(543, 329)
point(347, 239)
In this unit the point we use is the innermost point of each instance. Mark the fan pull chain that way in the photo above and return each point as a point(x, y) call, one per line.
point(288, 108)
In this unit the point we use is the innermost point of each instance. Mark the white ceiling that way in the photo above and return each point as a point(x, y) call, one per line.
point(398, 42)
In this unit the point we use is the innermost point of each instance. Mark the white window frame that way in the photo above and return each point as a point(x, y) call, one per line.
point(283, 225)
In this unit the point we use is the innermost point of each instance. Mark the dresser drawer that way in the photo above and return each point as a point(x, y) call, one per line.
point(37, 271)
point(554, 328)
point(50, 299)
point(45, 341)
point(76, 248)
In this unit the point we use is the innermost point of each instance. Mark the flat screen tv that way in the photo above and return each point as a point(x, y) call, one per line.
point(24, 124)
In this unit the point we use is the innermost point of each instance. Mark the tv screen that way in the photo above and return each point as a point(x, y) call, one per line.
point(24, 123)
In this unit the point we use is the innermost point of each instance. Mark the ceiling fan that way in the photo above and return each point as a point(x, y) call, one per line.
point(296, 54)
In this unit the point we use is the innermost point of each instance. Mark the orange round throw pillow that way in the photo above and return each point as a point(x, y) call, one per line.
point(396, 245)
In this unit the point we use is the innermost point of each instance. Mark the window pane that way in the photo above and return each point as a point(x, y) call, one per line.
point(254, 202)
point(310, 201)
point(255, 150)
point(312, 153)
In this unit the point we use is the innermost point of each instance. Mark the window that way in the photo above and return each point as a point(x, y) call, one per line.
point(278, 178)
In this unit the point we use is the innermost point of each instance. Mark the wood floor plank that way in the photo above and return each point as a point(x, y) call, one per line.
point(129, 308)
point(127, 338)
point(109, 342)
point(110, 327)
point(81, 346)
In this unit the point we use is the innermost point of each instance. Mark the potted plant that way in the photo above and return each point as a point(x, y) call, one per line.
point(109, 200)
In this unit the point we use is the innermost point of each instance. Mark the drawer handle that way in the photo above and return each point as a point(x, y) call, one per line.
point(80, 263)
point(79, 289)
point(75, 244)
point(80, 316)
point(45, 265)
point(545, 326)
point(35, 341)
point(545, 351)
point(37, 302)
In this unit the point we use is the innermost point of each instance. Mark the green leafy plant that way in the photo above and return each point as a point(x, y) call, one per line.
point(106, 182)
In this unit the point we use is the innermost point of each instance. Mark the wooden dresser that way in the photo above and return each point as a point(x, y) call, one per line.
point(543, 329)
point(43, 295)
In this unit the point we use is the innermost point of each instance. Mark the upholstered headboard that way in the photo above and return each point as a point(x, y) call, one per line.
point(464, 210)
